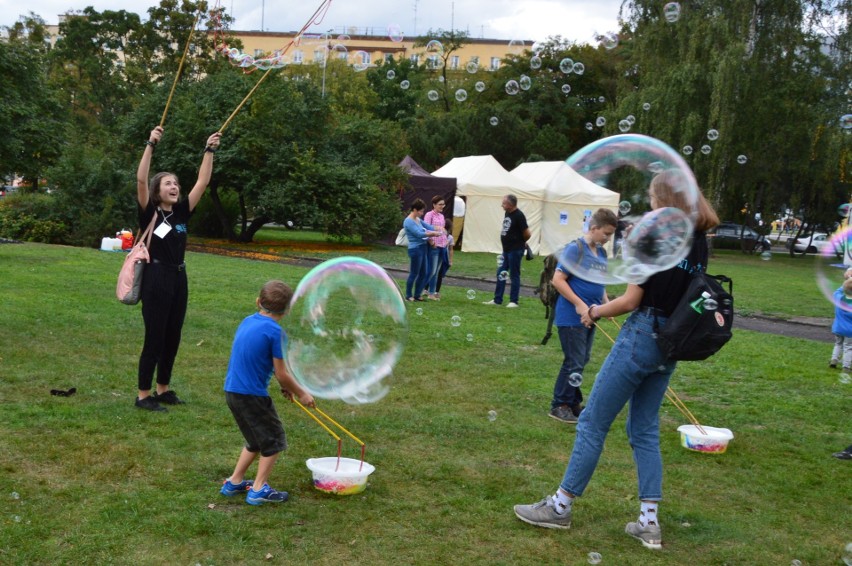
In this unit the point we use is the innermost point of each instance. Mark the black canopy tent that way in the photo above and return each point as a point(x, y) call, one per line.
point(424, 185)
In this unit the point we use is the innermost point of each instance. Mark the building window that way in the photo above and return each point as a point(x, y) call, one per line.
point(454, 62)
point(319, 55)
point(388, 57)
point(475, 60)
point(495, 63)
point(343, 55)
point(366, 57)
point(415, 59)
point(298, 56)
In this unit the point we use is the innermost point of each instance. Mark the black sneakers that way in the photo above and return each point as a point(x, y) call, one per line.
point(169, 398)
point(149, 404)
point(563, 413)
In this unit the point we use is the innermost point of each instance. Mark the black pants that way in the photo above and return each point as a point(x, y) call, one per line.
point(164, 298)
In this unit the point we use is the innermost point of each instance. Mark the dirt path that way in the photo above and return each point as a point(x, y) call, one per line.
point(817, 329)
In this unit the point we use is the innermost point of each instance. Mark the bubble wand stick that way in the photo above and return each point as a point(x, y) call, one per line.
point(315, 18)
point(180, 67)
point(328, 430)
point(670, 394)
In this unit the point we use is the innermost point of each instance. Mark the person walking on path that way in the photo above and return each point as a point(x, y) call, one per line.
point(513, 236)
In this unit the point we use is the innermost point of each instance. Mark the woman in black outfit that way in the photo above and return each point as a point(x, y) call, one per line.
point(164, 284)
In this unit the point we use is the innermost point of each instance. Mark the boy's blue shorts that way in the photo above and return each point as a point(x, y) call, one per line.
point(259, 423)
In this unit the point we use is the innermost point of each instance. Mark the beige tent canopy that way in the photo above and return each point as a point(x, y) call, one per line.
point(483, 182)
point(569, 199)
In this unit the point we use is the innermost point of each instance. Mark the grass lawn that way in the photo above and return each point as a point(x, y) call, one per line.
point(100, 482)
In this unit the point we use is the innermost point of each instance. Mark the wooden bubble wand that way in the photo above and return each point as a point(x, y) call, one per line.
point(670, 394)
point(180, 67)
point(314, 19)
point(331, 432)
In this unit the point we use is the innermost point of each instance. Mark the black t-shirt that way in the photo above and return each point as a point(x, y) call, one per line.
point(512, 234)
point(171, 248)
point(663, 290)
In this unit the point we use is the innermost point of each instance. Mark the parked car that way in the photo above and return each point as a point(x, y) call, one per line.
point(816, 244)
point(737, 236)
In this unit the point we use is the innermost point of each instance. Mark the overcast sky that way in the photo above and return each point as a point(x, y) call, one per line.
point(576, 20)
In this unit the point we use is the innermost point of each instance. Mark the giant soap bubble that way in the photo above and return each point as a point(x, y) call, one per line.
point(347, 329)
point(831, 264)
point(659, 239)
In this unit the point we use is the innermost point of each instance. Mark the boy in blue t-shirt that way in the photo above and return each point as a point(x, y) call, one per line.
point(257, 353)
point(576, 295)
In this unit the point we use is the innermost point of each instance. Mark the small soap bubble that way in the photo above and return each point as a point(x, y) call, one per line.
point(847, 554)
point(391, 75)
point(395, 33)
point(706, 149)
point(15, 495)
point(503, 276)
point(590, 126)
point(796, 562)
point(461, 95)
point(687, 150)
point(535, 62)
point(499, 329)
point(766, 256)
point(846, 121)
point(601, 99)
point(610, 40)
point(844, 209)
point(711, 305)
point(671, 11)
point(472, 67)
point(685, 525)
point(712, 134)
point(624, 126)
point(492, 415)
point(289, 223)
point(845, 379)
point(469, 337)
point(566, 66)
point(455, 320)
point(479, 86)
point(471, 294)
point(419, 311)
point(566, 88)
point(512, 87)
point(579, 68)
point(631, 119)
point(499, 260)
point(646, 106)
point(742, 159)
point(594, 558)
point(525, 82)
point(17, 518)
point(624, 207)
point(494, 120)
point(575, 379)
point(432, 95)
point(361, 61)
point(404, 85)
point(600, 122)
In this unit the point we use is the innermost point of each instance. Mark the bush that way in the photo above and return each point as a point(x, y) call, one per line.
point(31, 217)
point(206, 222)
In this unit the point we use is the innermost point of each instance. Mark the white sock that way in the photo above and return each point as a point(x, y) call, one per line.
point(562, 502)
point(648, 513)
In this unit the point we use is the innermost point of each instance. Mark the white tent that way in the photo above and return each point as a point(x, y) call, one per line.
point(484, 183)
point(569, 199)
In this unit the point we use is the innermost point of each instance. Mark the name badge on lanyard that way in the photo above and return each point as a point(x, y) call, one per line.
point(163, 228)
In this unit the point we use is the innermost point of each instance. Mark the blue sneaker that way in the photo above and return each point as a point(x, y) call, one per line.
point(229, 488)
point(265, 495)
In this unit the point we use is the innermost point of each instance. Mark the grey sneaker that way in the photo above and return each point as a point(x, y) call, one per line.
point(491, 302)
point(512, 306)
point(542, 514)
point(563, 413)
point(650, 536)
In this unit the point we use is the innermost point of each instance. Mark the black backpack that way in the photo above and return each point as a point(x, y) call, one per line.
point(547, 293)
point(697, 328)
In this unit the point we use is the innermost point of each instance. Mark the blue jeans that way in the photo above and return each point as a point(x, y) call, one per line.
point(416, 271)
point(435, 261)
point(576, 349)
point(635, 371)
point(512, 264)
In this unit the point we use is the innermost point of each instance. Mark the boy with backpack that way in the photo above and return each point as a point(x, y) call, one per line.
point(575, 296)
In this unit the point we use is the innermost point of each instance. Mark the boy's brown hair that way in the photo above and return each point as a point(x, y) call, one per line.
point(275, 297)
point(604, 217)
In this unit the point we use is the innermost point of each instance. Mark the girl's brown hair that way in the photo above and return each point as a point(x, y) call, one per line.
point(666, 187)
point(154, 186)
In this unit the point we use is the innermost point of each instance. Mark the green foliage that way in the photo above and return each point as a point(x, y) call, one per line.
point(31, 218)
point(206, 220)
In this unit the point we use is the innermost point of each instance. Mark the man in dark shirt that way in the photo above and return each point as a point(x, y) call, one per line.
point(513, 236)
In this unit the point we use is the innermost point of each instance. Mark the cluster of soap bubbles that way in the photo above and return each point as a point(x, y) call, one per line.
point(661, 238)
point(627, 123)
point(346, 330)
point(246, 61)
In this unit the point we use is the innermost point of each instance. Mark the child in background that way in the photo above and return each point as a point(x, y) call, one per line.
point(842, 325)
point(257, 353)
point(447, 256)
point(576, 296)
